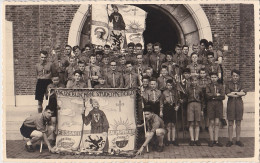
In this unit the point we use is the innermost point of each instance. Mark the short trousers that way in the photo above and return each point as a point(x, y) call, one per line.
point(41, 87)
point(26, 131)
point(215, 109)
point(193, 111)
point(169, 113)
point(235, 109)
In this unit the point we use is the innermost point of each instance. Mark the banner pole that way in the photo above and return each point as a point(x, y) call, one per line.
point(141, 92)
point(82, 129)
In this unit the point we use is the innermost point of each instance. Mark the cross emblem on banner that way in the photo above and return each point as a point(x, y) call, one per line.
point(135, 9)
point(119, 105)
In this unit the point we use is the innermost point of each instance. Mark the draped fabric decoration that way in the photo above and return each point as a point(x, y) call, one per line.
point(111, 127)
point(124, 23)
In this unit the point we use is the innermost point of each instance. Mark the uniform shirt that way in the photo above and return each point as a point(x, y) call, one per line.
point(162, 82)
point(212, 90)
point(114, 79)
point(146, 59)
point(154, 123)
point(169, 97)
point(94, 71)
point(43, 70)
point(152, 95)
point(156, 61)
point(195, 94)
point(232, 86)
point(37, 121)
point(212, 67)
point(76, 85)
point(195, 68)
point(181, 60)
point(70, 70)
point(104, 69)
point(172, 68)
point(204, 82)
point(121, 69)
point(141, 67)
point(57, 67)
point(130, 81)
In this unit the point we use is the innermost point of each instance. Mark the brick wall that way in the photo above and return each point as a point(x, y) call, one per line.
point(234, 26)
point(247, 46)
point(36, 28)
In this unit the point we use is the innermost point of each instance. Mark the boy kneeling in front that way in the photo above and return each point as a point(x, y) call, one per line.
point(155, 129)
point(35, 128)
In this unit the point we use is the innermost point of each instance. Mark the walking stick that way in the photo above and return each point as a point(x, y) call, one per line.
point(82, 129)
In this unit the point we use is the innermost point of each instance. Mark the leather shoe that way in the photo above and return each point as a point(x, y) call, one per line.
point(239, 143)
point(29, 148)
point(160, 149)
point(210, 144)
point(175, 143)
point(229, 144)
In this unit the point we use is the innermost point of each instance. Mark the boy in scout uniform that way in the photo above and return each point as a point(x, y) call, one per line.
point(152, 96)
point(169, 105)
point(43, 73)
point(195, 66)
point(163, 78)
point(204, 81)
point(130, 78)
point(94, 70)
point(235, 108)
point(156, 59)
point(77, 83)
point(114, 78)
point(194, 110)
point(211, 66)
point(70, 69)
point(215, 95)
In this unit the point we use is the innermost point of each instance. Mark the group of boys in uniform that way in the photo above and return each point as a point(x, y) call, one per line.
point(173, 86)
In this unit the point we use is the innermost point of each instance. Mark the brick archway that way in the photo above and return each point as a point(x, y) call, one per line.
point(189, 19)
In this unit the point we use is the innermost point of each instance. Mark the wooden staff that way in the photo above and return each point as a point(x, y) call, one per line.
point(82, 129)
point(141, 92)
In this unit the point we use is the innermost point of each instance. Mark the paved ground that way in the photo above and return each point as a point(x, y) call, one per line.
point(15, 149)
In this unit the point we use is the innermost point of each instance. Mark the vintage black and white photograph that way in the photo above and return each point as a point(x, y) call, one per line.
point(130, 80)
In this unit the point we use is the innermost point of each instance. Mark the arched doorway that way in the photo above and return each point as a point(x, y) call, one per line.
point(176, 23)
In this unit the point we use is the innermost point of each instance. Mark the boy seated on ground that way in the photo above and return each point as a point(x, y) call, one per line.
point(35, 128)
point(155, 130)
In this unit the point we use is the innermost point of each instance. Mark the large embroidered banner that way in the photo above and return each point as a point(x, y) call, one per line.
point(117, 25)
point(109, 120)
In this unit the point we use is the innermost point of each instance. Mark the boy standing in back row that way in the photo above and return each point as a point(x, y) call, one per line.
point(43, 73)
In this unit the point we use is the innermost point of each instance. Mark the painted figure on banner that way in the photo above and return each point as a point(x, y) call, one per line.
point(100, 32)
point(116, 18)
point(99, 124)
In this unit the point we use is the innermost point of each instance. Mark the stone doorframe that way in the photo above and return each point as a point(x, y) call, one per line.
point(190, 20)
